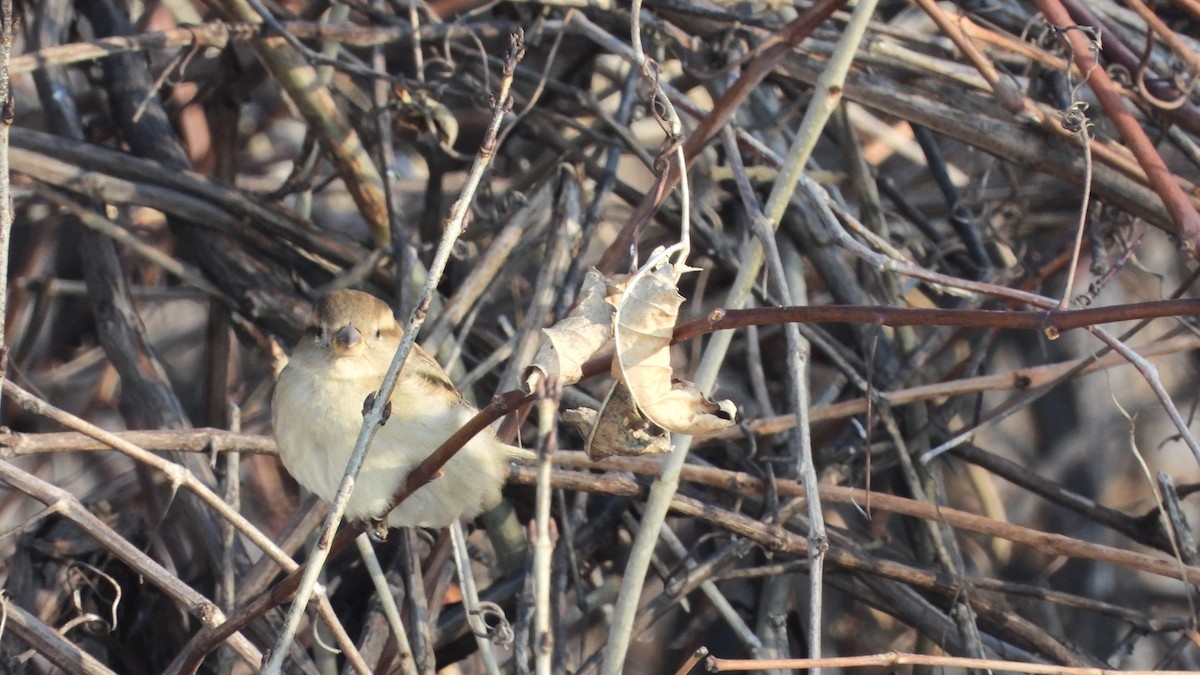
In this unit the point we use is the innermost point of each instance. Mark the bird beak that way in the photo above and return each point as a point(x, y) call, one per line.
point(347, 341)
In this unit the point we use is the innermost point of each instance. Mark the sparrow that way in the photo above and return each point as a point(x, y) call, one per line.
point(317, 413)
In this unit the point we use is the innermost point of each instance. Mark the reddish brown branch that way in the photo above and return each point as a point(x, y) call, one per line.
point(1187, 221)
point(912, 316)
point(1186, 114)
point(500, 406)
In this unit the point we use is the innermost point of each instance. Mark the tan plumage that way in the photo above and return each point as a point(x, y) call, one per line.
point(317, 412)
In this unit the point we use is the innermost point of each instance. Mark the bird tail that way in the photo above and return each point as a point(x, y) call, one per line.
point(514, 454)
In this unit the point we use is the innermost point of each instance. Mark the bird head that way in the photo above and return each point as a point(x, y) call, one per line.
point(351, 322)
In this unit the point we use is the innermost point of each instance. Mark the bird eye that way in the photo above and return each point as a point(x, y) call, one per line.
point(378, 333)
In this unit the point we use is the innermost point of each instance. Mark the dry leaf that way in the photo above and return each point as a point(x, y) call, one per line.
point(618, 429)
point(568, 344)
point(646, 321)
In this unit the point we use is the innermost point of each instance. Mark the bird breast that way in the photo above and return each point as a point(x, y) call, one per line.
point(318, 415)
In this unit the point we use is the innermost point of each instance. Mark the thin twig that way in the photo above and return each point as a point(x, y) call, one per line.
point(462, 562)
point(543, 543)
point(891, 659)
point(7, 113)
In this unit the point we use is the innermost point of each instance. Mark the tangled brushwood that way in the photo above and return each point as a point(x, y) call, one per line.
point(817, 334)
